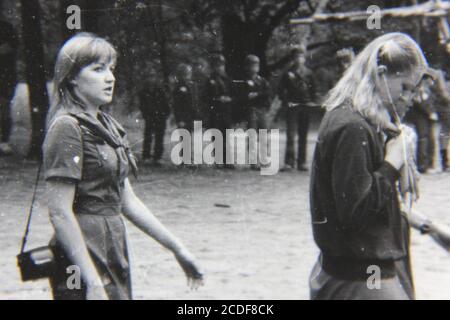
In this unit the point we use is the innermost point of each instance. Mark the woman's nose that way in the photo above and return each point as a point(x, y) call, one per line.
point(110, 77)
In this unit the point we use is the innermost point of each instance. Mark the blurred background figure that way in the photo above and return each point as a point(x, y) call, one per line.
point(422, 115)
point(345, 58)
point(200, 75)
point(429, 116)
point(218, 100)
point(186, 102)
point(8, 55)
point(155, 109)
point(185, 98)
point(255, 98)
point(441, 100)
point(296, 91)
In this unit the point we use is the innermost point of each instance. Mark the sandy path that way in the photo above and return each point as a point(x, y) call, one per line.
point(260, 247)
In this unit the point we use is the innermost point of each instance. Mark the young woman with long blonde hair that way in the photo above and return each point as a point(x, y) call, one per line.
point(362, 153)
point(87, 161)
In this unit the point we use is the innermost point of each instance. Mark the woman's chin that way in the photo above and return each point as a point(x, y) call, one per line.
point(106, 100)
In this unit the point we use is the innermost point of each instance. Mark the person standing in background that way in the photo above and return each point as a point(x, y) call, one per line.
point(200, 75)
point(186, 98)
point(155, 109)
point(186, 102)
point(296, 91)
point(441, 101)
point(345, 58)
point(422, 116)
point(218, 100)
point(8, 55)
point(255, 99)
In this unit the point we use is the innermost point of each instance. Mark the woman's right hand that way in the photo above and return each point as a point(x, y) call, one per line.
point(190, 268)
point(394, 152)
point(96, 292)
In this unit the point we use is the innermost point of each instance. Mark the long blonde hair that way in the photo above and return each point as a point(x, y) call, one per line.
point(358, 87)
point(76, 53)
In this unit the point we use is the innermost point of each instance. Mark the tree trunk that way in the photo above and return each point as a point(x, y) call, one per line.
point(89, 18)
point(66, 33)
point(241, 39)
point(162, 39)
point(35, 73)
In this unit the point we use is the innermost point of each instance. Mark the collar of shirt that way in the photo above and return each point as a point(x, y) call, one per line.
point(105, 127)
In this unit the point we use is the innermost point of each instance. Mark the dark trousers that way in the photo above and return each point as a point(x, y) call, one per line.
point(297, 122)
point(425, 145)
point(257, 120)
point(444, 118)
point(154, 128)
point(324, 286)
point(220, 119)
point(5, 118)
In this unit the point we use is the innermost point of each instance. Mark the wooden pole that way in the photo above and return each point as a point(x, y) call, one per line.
point(431, 9)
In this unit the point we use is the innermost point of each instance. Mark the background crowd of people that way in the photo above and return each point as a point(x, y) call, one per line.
point(175, 78)
point(224, 103)
point(207, 88)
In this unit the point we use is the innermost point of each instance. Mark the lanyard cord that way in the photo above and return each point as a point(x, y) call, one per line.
point(27, 229)
point(405, 155)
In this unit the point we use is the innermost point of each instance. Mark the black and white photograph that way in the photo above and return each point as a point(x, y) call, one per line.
point(224, 150)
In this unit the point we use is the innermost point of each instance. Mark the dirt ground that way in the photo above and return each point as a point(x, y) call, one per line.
point(260, 247)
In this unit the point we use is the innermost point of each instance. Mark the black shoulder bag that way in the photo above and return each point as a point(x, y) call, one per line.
point(36, 263)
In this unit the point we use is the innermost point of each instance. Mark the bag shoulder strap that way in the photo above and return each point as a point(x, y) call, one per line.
point(33, 200)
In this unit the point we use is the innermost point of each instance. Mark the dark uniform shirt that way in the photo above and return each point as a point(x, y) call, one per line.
point(217, 86)
point(257, 85)
point(186, 102)
point(296, 88)
point(154, 103)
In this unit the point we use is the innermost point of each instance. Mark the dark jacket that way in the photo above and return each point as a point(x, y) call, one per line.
point(186, 102)
point(353, 196)
point(296, 88)
point(261, 87)
point(217, 85)
point(154, 103)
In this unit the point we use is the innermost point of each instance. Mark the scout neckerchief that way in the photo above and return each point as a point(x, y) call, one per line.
point(110, 131)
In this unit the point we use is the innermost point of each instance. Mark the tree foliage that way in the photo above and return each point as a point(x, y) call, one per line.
point(160, 34)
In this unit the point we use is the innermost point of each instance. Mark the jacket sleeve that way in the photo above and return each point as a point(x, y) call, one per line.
point(361, 190)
